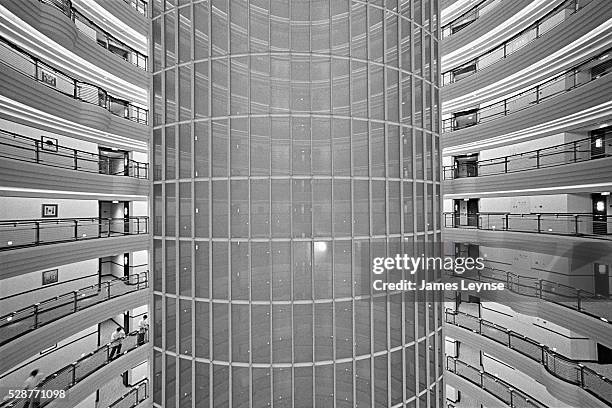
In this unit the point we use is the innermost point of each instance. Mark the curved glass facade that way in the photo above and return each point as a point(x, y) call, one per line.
point(293, 140)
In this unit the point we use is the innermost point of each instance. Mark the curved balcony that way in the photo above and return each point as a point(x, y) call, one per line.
point(566, 153)
point(16, 234)
point(564, 82)
point(560, 366)
point(71, 375)
point(580, 300)
point(468, 17)
point(493, 385)
point(33, 68)
point(138, 394)
point(96, 33)
point(19, 322)
point(540, 27)
point(571, 224)
point(47, 153)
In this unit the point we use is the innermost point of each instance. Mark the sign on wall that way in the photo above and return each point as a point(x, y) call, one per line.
point(49, 210)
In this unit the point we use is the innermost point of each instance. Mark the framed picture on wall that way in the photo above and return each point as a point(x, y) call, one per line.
point(48, 143)
point(49, 210)
point(49, 277)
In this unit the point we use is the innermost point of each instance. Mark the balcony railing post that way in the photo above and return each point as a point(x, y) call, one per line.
point(576, 224)
point(575, 151)
point(538, 159)
point(37, 151)
point(76, 229)
point(581, 369)
point(36, 315)
point(76, 159)
point(74, 366)
point(539, 222)
point(75, 299)
point(108, 287)
point(37, 233)
point(578, 302)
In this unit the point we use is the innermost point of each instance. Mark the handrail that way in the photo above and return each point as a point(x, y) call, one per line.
point(138, 393)
point(571, 152)
point(32, 67)
point(23, 233)
point(562, 367)
point(540, 28)
point(479, 10)
point(18, 147)
point(72, 374)
point(30, 318)
point(67, 8)
point(562, 83)
point(492, 384)
point(572, 224)
point(139, 5)
point(563, 295)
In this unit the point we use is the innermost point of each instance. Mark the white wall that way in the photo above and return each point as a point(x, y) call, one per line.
point(22, 208)
point(79, 273)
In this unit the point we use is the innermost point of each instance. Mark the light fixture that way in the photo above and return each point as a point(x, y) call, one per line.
point(115, 202)
point(603, 57)
point(320, 246)
point(603, 126)
point(598, 142)
point(600, 206)
point(9, 243)
point(605, 193)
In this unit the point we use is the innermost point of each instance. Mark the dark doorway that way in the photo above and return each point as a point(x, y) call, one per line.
point(465, 212)
point(598, 143)
point(600, 214)
point(113, 161)
point(466, 165)
point(472, 212)
point(604, 354)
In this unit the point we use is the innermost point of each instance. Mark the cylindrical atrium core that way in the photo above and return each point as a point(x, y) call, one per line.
point(293, 140)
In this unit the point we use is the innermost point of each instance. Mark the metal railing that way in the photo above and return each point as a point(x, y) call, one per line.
point(72, 374)
point(493, 385)
point(139, 5)
point(580, 225)
point(102, 37)
point(580, 300)
point(22, 233)
point(138, 393)
point(562, 83)
point(25, 63)
point(19, 322)
point(23, 148)
point(540, 27)
point(560, 366)
point(470, 16)
point(566, 153)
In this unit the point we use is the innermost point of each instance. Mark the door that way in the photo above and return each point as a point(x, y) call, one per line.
point(457, 213)
point(472, 212)
point(600, 218)
point(598, 143)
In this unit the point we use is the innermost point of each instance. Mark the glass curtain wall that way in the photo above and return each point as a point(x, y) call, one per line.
point(293, 140)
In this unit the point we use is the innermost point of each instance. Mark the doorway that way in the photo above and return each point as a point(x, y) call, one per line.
point(113, 161)
point(114, 217)
point(466, 212)
point(600, 214)
point(466, 165)
point(601, 274)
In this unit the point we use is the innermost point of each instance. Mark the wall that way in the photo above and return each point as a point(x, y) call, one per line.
point(31, 208)
point(70, 277)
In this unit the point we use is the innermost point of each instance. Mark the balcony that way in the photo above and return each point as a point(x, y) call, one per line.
point(57, 385)
point(48, 153)
point(16, 234)
point(138, 394)
point(17, 323)
point(543, 25)
point(32, 68)
point(564, 368)
point(493, 385)
point(567, 153)
point(469, 17)
point(572, 78)
point(587, 225)
point(102, 37)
